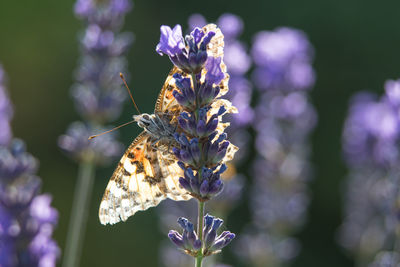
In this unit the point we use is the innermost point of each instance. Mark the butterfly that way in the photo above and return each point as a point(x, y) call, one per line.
point(148, 172)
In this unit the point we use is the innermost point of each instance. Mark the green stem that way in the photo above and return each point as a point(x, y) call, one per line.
point(79, 214)
point(199, 257)
point(200, 217)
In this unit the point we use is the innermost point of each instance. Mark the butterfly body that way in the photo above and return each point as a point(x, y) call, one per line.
point(148, 172)
point(158, 126)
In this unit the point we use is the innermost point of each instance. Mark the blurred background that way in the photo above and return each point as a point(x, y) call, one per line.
point(356, 48)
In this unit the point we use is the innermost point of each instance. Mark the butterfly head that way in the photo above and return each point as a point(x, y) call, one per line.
point(144, 120)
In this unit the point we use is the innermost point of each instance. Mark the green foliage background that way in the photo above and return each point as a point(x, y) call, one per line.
point(357, 47)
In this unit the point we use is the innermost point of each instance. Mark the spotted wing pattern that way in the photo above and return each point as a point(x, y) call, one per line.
point(144, 177)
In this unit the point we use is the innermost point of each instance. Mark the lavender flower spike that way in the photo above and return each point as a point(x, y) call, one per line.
point(370, 137)
point(284, 118)
point(27, 219)
point(202, 148)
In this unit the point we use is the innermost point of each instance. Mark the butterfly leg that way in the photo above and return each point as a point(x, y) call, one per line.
point(153, 144)
point(158, 147)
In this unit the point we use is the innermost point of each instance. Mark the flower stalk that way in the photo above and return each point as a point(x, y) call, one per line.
point(200, 215)
point(78, 221)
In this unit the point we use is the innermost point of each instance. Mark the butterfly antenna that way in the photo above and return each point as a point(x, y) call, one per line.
point(129, 91)
point(94, 136)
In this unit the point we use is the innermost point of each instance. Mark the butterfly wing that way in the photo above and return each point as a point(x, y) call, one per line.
point(142, 179)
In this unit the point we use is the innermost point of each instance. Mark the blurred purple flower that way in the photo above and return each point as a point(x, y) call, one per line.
point(231, 25)
point(283, 60)
point(100, 150)
point(109, 14)
point(392, 89)
point(386, 259)
point(366, 227)
point(262, 249)
point(236, 58)
point(6, 111)
point(370, 131)
point(27, 220)
point(371, 136)
point(196, 20)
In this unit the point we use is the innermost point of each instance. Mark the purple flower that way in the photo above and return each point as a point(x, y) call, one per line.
point(231, 25)
point(392, 89)
point(121, 6)
point(96, 39)
point(188, 241)
point(170, 210)
point(42, 211)
point(370, 144)
point(189, 57)
point(14, 161)
point(6, 111)
point(213, 243)
point(27, 220)
point(100, 150)
point(196, 21)
point(370, 131)
point(171, 41)
point(261, 248)
point(283, 120)
point(236, 58)
point(386, 259)
point(84, 7)
point(283, 60)
point(214, 73)
point(109, 14)
point(367, 223)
